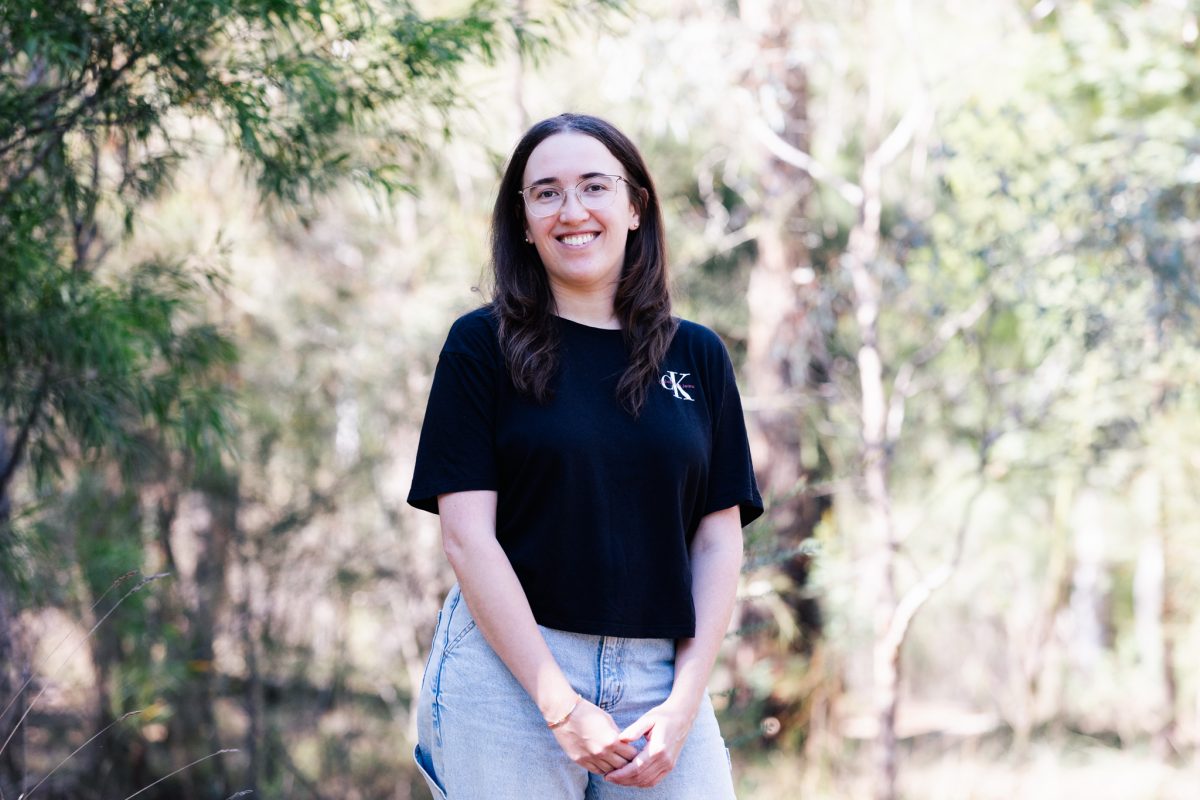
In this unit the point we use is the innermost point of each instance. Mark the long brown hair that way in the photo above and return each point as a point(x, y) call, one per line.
point(523, 303)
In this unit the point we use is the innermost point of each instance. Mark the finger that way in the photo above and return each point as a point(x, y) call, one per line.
point(609, 763)
point(644, 771)
point(627, 773)
point(638, 729)
point(651, 775)
point(651, 782)
point(623, 749)
point(640, 780)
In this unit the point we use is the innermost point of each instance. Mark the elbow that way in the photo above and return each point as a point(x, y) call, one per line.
point(454, 546)
point(726, 550)
point(463, 545)
point(720, 534)
point(468, 525)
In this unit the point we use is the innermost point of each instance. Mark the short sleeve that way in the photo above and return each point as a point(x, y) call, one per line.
point(456, 452)
point(731, 472)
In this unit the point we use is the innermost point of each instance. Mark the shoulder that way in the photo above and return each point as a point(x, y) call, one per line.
point(706, 352)
point(475, 334)
point(696, 337)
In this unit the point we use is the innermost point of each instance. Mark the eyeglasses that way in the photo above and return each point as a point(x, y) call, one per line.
point(595, 194)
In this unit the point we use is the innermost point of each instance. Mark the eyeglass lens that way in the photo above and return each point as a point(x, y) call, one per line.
point(593, 193)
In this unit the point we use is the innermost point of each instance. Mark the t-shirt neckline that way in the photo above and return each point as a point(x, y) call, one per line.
point(573, 324)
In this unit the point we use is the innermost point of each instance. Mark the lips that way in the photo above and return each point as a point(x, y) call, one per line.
point(577, 239)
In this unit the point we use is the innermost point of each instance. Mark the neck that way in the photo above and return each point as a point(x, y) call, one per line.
point(594, 308)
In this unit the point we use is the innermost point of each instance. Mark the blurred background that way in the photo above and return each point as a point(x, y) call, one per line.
point(953, 247)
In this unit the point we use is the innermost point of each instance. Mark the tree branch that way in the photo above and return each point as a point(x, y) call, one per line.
point(902, 385)
point(84, 223)
point(109, 79)
point(900, 137)
point(918, 595)
point(785, 152)
point(19, 444)
point(46, 99)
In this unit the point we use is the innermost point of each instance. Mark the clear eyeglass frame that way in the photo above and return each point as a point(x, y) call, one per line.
point(541, 206)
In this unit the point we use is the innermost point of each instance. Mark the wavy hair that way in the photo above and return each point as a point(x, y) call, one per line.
point(522, 301)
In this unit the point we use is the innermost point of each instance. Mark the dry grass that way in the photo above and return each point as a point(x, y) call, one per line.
point(1048, 771)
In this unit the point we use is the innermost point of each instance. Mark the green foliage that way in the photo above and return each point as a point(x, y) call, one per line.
point(92, 365)
point(284, 80)
point(120, 370)
point(99, 104)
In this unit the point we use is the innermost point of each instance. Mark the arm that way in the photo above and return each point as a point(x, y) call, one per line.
point(716, 556)
point(501, 611)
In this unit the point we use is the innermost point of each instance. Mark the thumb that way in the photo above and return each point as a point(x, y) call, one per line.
point(638, 729)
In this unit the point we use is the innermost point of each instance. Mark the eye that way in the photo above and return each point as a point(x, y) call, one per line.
point(595, 187)
point(546, 193)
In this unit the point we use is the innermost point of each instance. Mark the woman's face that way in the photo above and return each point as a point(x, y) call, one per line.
point(582, 249)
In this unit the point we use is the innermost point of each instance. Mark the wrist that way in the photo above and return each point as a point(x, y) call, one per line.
point(559, 721)
point(685, 700)
point(559, 703)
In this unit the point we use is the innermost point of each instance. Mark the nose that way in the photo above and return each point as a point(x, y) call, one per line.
point(572, 209)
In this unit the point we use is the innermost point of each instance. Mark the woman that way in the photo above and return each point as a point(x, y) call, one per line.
point(587, 454)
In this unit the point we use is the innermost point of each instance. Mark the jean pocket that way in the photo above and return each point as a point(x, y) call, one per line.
point(459, 622)
point(437, 626)
point(425, 767)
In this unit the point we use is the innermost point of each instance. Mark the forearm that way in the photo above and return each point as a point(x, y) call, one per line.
point(716, 557)
point(500, 608)
point(716, 564)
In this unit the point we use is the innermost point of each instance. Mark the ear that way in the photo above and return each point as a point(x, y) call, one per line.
point(635, 207)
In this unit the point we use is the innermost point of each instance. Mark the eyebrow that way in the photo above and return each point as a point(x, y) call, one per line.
point(583, 177)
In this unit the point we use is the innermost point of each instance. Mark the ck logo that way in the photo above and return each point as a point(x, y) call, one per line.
point(673, 383)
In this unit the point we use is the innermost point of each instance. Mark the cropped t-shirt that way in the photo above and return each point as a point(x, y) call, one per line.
point(595, 509)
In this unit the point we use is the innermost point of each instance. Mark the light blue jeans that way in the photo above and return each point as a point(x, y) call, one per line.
point(481, 737)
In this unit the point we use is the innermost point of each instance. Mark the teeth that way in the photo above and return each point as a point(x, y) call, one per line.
point(578, 238)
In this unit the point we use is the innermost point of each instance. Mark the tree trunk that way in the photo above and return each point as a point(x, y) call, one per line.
point(1154, 623)
point(1166, 738)
point(208, 518)
point(199, 694)
point(863, 247)
point(861, 254)
point(250, 629)
point(1057, 595)
point(14, 663)
point(1088, 584)
point(14, 669)
point(783, 348)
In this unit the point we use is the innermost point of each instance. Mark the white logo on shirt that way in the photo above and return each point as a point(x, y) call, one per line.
point(673, 382)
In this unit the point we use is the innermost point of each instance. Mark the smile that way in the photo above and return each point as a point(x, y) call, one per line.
point(577, 239)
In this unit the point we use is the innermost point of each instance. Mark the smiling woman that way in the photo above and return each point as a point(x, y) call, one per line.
point(581, 244)
point(587, 454)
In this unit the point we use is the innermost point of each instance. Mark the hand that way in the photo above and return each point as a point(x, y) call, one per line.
point(666, 728)
point(592, 740)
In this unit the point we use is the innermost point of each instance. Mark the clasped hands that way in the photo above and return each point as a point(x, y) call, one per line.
point(591, 739)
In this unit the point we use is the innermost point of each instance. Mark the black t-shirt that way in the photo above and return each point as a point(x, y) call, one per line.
point(595, 509)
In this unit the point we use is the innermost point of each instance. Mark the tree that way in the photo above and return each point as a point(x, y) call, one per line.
point(973, 295)
point(107, 362)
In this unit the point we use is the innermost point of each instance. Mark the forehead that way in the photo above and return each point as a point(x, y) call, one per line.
point(567, 157)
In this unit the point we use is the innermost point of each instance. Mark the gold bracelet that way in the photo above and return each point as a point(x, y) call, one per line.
point(566, 716)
